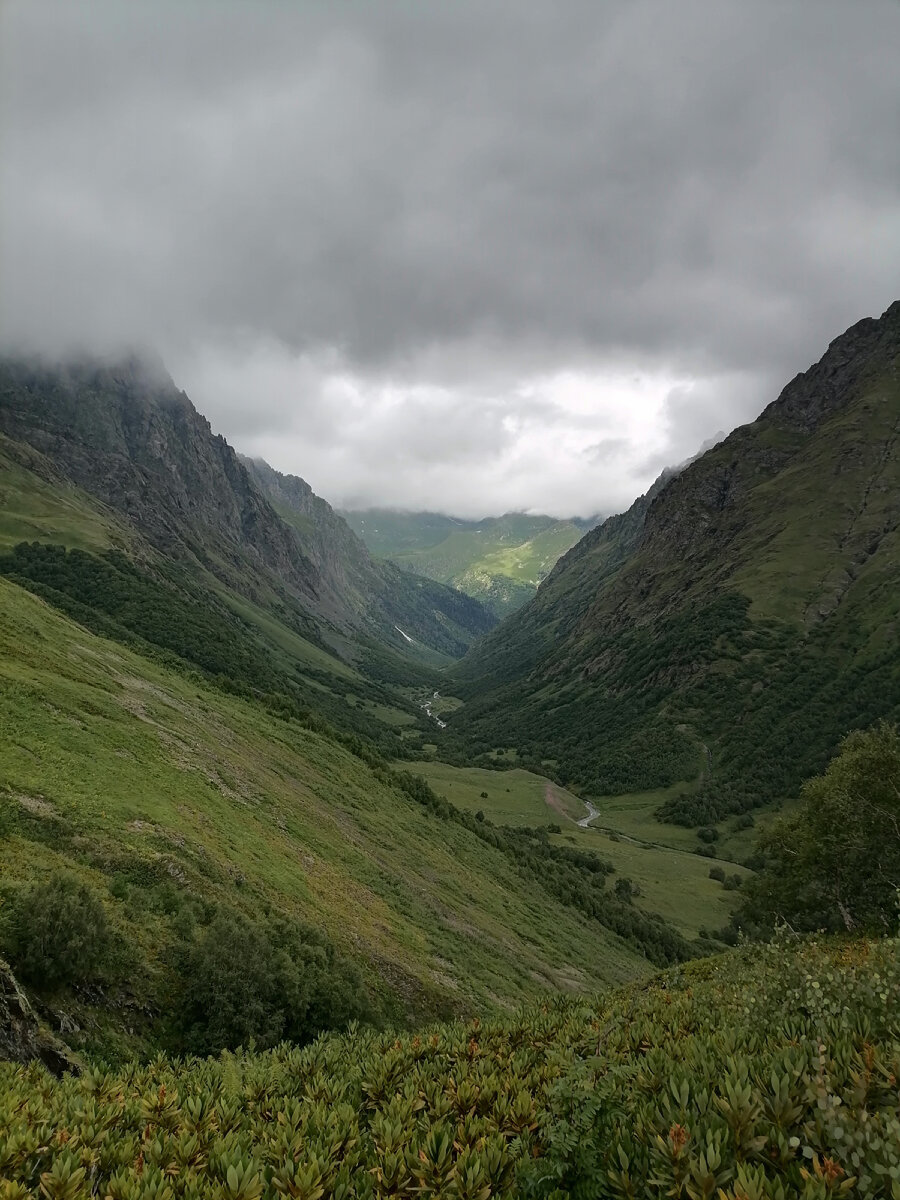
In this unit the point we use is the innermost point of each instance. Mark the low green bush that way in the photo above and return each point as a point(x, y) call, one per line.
point(767, 1073)
point(56, 934)
point(247, 982)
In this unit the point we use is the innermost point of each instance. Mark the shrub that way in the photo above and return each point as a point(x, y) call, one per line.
point(763, 1074)
point(625, 889)
point(57, 934)
point(776, 1099)
point(717, 873)
point(835, 863)
point(244, 981)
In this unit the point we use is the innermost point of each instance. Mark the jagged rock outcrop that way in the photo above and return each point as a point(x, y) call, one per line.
point(23, 1038)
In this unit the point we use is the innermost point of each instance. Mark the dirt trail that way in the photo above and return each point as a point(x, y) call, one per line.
point(591, 813)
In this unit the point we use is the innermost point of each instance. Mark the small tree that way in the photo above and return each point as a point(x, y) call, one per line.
point(58, 933)
point(280, 980)
point(835, 863)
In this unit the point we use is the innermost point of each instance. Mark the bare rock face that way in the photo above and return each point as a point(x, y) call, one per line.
point(122, 432)
point(23, 1038)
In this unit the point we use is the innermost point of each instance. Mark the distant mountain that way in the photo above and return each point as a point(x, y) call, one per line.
point(125, 435)
point(403, 607)
point(499, 560)
point(738, 619)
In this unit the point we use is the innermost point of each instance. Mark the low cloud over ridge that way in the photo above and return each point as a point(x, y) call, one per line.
point(471, 257)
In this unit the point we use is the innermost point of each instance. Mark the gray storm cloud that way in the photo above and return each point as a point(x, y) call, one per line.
point(470, 256)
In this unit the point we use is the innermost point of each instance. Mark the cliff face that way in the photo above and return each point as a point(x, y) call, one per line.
point(395, 603)
point(23, 1038)
point(338, 556)
point(126, 435)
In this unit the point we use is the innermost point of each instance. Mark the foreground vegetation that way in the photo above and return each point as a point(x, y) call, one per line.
point(834, 862)
point(764, 1073)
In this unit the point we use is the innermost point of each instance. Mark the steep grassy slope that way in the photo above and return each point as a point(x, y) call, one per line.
point(500, 560)
point(146, 781)
point(764, 1073)
point(734, 628)
point(138, 597)
point(38, 504)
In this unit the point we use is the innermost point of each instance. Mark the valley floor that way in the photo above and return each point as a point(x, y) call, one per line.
point(673, 880)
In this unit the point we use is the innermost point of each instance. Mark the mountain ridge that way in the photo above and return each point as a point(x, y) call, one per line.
point(498, 560)
point(126, 435)
point(754, 583)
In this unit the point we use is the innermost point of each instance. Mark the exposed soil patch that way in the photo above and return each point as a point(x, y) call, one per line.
point(554, 802)
point(37, 805)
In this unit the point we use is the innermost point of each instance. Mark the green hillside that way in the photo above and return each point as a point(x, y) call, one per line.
point(499, 560)
point(764, 1073)
point(720, 638)
point(172, 799)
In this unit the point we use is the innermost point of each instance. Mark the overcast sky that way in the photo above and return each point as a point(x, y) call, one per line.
point(462, 256)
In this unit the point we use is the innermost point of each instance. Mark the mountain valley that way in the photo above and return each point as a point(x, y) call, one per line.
point(499, 560)
point(259, 782)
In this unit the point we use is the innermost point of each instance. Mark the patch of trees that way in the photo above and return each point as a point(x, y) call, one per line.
point(815, 689)
point(270, 982)
point(232, 979)
point(834, 864)
point(55, 934)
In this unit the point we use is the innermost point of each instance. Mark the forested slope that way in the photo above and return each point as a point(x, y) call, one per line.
point(736, 625)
